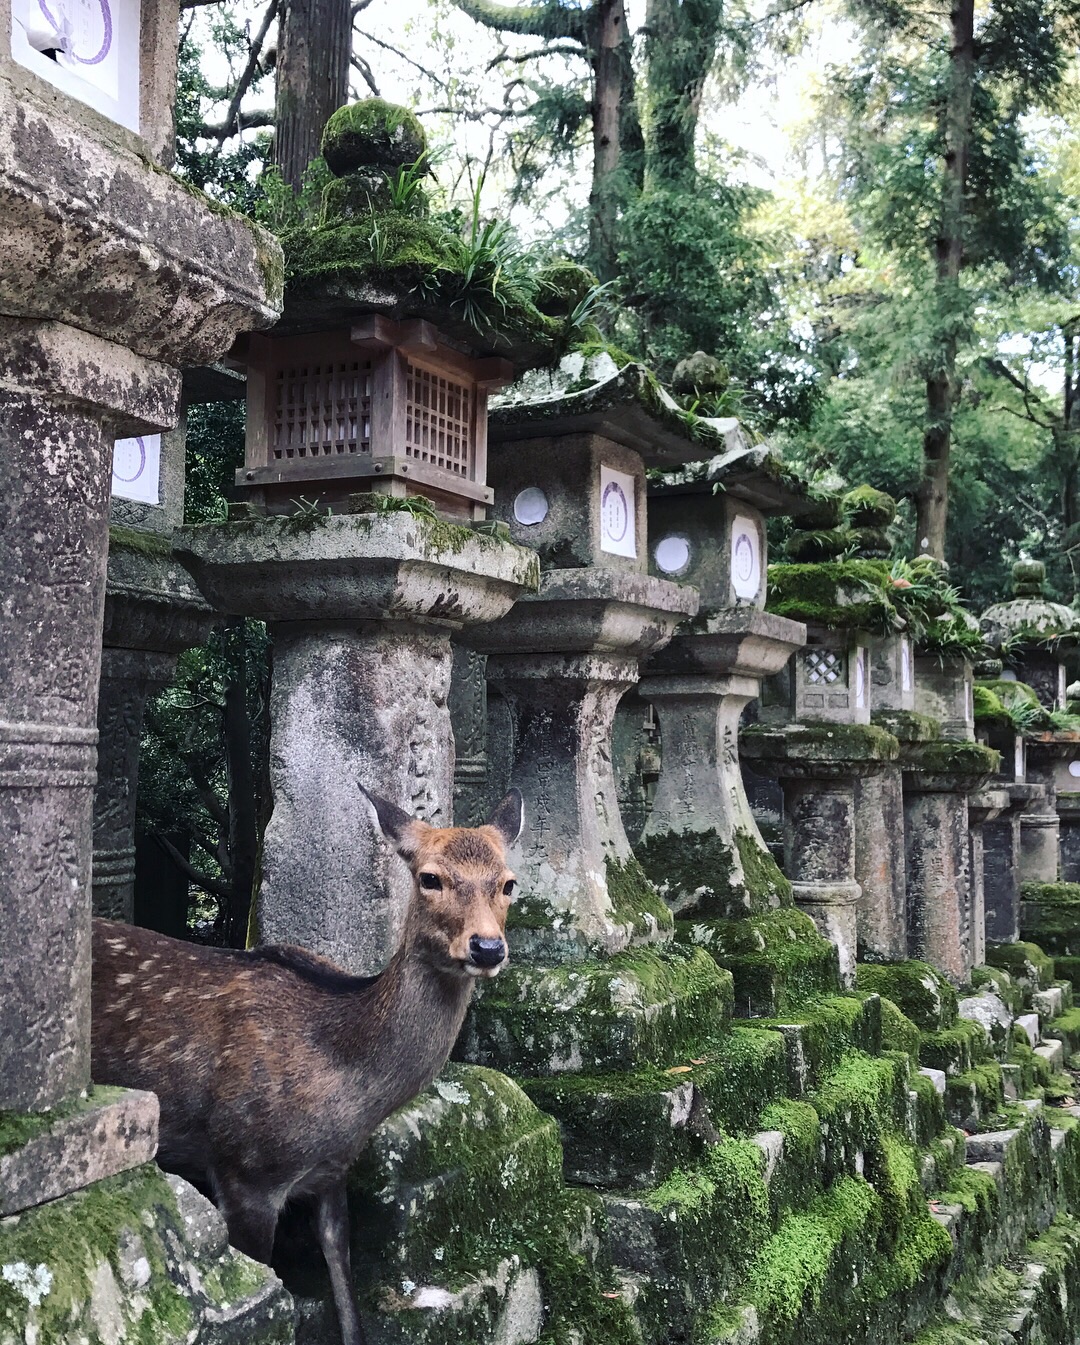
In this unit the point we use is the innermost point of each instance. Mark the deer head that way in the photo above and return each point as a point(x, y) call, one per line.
point(462, 887)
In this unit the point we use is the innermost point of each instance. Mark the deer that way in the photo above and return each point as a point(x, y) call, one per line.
point(273, 1066)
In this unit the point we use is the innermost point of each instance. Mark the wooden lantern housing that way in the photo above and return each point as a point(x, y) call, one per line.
point(384, 406)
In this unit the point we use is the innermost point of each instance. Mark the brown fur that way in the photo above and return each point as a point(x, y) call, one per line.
point(272, 1066)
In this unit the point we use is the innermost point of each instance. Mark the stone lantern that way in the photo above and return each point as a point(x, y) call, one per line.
point(365, 469)
point(113, 277)
point(814, 731)
point(701, 844)
point(1032, 635)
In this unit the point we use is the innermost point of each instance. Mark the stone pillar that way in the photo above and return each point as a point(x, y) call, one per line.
point(560, 662)
point(879, 806)
point(61, 392)
point(574, 848)
point(938, 778)
point(1001, 865)
point(128, 679)
point(819, 851)
point(817, 766)
point(984, 807)
point(701, 844)
point(361, 608)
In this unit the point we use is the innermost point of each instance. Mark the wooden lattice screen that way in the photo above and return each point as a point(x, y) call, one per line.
point(439, 421)
point(322, 409)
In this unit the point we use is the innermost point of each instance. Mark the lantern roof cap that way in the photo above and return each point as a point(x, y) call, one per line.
point(589, 391)
point(1029, 616)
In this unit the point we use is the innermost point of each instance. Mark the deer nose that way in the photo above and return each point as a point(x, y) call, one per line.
point(486, 952)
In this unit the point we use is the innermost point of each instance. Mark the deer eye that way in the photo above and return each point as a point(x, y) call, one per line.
point(431, 882)
point(508, 887)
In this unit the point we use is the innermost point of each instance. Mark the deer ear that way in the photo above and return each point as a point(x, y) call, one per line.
point(394, 823)
point(509, 816)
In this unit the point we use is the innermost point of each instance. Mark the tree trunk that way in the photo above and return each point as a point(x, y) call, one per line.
point(681, 42)
point(314, 46)
point(609, 38)
point(932, 499)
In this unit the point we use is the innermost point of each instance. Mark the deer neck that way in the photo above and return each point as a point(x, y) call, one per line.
point(410, 1021)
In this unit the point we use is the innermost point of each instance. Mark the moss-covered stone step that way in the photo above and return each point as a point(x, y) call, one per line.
point(1025, 962)
point(462, 1228)
point(1065, 1029)
point(633, 1129)
point(692, 1237)
point(137, 1257)
point(972, 1099)
point(822, 1032)
point(1050, 917)
point(920, 992)
point(957, 1049)
point(647, 1006)
point(1036, 1300)
point(998, 981)
point(778, 959)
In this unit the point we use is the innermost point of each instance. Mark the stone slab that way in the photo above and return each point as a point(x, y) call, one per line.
point(1030, 1023)
point(1048, 1003)
point(1053, 1052)
point(936, 1077)
point(111, 1131)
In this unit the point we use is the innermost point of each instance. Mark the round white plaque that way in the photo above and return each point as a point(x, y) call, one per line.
point(1074, 767)
point(672, 554)
point(860, 678)
point(530, 506)
point(129, 460)
point(615, 512)
point(745, 559)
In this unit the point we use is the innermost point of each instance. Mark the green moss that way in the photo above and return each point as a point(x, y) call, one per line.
point(1025, 962)
point(18, 1128)
point(865, 507)
point(701, 867)
point(907, 726)
point(69, 1239)
point(963, 760)
point(862, 1099)
point(143, 543)
point(1019, 702)
point(997, 980)
point(562, 285)
point(988, 707)
point(843, 595)
point(1052, 894)
point(372, 132)
point(954, 1050)
point(922, 993)
point(826, 744)
point(778, 959)
point(869, 543)
point(898, 1032)
point(644, 1006)
point(790, 1275)
point(389, 244)
point(634, 899)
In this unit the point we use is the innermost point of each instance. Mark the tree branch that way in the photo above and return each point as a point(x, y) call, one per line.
point(1002, 370)
point(366, 74)
point(245, 121)
point(553, 49)
point(194, 875)
point(549, 20)
point(247, 74)
point(430, 74)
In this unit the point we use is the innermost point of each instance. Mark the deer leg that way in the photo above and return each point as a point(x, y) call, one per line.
point(251, 1216)
point(332, 1225)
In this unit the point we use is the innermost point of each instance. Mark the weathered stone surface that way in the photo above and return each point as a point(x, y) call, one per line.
point(108, 1132)
point(939, 914)
point(880, 865)
point(586, 611)
point(943, 691)
point(54, 484)
point(699, 686)
point(361, 705)
point(129, 1259)
point(90, 237)
point(397, 566)
point(984, 806)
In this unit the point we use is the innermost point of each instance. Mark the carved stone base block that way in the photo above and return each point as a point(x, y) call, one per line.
point(984, 808)
point(1040, 846)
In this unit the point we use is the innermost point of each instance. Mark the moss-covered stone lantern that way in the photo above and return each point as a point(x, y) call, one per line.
point(1031, 634)
point(377, 377)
